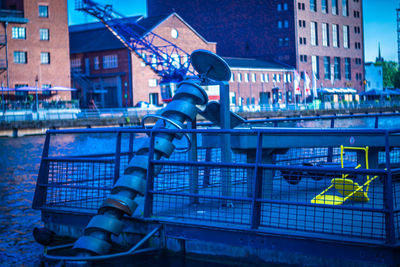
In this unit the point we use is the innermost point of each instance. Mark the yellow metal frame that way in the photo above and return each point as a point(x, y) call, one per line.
point(346, 187)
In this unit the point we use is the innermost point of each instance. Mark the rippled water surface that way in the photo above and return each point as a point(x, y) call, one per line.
point(19, 165)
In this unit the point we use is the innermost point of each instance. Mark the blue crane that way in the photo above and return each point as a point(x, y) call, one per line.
point(167, 60)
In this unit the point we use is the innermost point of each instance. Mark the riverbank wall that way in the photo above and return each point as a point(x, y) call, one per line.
point(32, 127)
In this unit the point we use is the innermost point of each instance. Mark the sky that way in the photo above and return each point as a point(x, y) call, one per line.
point(379, 23)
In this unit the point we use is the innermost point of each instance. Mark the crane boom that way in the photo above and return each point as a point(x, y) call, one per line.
point(167, 60)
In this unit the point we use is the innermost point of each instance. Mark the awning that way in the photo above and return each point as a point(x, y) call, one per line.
point(337, 90)
point(61, 88)
point(29, 88)
point(375, 92)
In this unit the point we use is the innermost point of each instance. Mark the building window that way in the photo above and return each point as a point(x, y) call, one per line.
point(279, 24)
point(280, 42)
point(358, 61)
point(44, 58)
point(253, 77)
point(279, 7)
point(327, 68)
point(345, 8)
point(278, 78)
point(152, 82)
point(44, 34)
point(76, 64)
point(262, 77)
point(313, 5)
point(43, 11)
point(325, 34)
point(286, 41)
point(334, 7)
point(46, 92)
point(286, 23)
point(18, 33)
point(314, 33)
point(232, 78)
point(337, 68)
point(96, 63)
point(20, 57)
point(335, 35)
point(110, 62)
point(246, 77)
point(347, 68)
point(315, 65)
point(346, 36)
point(357, 45)
point(285, 6)
point(324, 6)
point(239, 75)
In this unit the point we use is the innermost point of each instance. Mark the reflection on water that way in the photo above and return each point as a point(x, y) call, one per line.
point(19, 165)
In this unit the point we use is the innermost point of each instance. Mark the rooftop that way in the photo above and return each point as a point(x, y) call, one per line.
point(252, 63)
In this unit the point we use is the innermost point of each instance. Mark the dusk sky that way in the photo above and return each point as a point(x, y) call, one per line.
point(379, 23)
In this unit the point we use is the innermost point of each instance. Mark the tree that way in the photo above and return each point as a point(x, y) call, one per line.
point(396, 80)
point(390, 69)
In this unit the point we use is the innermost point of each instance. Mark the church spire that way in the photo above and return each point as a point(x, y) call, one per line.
point(379, 58)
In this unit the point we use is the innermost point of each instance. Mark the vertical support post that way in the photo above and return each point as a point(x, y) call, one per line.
point(376, 122)
point(148, 201)
point(257, 186)
point(388, 196)
point(226, 153)
point(207, 169)
point(330, 149)
point(193, 172)
point(43, 178)
point(131, 138)
point(117, 160)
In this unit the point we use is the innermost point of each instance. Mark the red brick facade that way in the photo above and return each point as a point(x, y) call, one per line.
point(56, 72)
point(271, 29)
point(131, 80)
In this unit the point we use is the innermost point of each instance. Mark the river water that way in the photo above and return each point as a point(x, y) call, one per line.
point(19, 165)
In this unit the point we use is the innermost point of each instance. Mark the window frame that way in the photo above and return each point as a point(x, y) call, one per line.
point(18, 56)
point(44, 58)
point(43, 11)
point(18, 33)
point(44, 32)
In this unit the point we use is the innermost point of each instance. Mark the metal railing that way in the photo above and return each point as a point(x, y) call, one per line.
point(267, 187)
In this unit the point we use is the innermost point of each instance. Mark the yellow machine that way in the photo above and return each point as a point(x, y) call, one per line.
point(347, 188)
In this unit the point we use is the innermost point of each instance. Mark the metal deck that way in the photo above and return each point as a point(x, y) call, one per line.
point(259, 200)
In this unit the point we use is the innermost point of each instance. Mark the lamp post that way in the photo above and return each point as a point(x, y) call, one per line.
point(37, 101)
point(2, 99)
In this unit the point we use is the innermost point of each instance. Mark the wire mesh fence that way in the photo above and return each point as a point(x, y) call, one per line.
point(326, 190)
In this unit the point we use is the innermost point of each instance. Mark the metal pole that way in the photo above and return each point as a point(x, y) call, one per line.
point(2, 99)
point(37, 101)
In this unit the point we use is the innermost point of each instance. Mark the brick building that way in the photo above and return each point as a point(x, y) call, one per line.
point(320, 36)
point(108, 73)
point(34, 46)
point(260, 82)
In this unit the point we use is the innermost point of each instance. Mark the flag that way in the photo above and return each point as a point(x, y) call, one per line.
point(314, 84)
point(296, 81)
point(307, 80)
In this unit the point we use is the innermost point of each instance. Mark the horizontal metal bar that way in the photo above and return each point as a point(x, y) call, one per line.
point(77, 159)
point(271, 166)
point(53, 185)
point(270, 201)
point(335, 131)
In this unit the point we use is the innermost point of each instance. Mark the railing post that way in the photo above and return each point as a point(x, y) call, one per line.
point(330, 149)
point(117, 157)
point(193, 172)
point(388, 196)
point(131, 138)
point(40, 197)
point(376, 121)
point(148, 200)
point(257, 189)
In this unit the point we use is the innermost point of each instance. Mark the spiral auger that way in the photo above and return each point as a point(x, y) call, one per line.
point(108, 221)
point(96, 239)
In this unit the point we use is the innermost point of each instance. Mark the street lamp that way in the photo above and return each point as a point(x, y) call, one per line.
point(37, 102)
